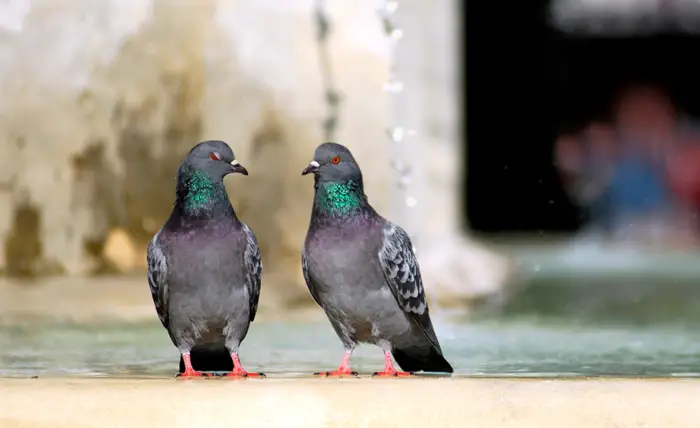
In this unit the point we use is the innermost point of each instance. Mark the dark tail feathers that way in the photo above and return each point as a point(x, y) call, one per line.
point(411, 360)
point(209, 360)
point(416, 359)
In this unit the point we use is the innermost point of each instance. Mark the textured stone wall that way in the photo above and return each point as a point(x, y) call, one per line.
point(101, 101)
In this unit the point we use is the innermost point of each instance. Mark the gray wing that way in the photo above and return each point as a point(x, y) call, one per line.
point(402, 274)
point(307, 277)
point(253, 268)
point(158, 279)
point(401, 270)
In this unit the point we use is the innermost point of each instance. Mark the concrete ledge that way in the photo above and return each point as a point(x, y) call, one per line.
point(351, 403)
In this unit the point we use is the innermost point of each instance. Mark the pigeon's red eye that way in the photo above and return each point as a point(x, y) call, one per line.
point(335, 160)
point(215, 156)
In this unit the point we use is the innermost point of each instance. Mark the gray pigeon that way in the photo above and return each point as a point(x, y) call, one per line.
point(204, 266)
point(361, 269)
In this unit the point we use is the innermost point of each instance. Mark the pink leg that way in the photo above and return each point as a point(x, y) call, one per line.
point(189, 371)
point(343, 370)
point(238, 371)
point(389, 370)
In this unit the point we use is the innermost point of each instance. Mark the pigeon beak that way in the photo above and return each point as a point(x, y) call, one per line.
point(238, 168)
point(312, 168)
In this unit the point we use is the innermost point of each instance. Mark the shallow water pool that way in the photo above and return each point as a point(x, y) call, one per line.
point(524, 348)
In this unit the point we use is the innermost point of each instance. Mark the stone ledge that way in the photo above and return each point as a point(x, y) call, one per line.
point(365, 402)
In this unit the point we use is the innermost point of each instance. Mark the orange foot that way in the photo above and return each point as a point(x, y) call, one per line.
point(392, 373)
point(242, 374)
point(341, 372)
point(192, 374)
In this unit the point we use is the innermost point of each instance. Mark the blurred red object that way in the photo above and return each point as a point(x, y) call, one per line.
point(684, 172)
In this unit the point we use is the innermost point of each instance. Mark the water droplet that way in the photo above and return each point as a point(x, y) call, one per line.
point(393, 87)
point(411, 202)
point(398, 165)
point(396, 34)
point(396, 134)
point(536, 268)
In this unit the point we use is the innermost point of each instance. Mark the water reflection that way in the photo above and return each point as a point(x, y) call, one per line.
point(483, 348)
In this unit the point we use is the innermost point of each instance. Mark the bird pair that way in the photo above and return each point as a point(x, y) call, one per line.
point(205, 269)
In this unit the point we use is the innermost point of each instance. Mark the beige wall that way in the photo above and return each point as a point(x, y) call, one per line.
point(101, 102)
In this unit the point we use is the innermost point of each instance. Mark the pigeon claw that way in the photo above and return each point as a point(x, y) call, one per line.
point(337, 373)
point(242, 374)
point(193, 374)
point(392, 373)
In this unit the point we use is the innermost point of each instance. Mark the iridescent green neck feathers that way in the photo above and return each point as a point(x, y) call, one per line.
point(198, 192)
point(339, 198)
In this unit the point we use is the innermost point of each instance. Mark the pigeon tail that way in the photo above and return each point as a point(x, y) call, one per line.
point(209, 360)
point(415, 359)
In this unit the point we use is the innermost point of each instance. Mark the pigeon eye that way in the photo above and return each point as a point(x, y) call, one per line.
point(215, 156)
point(335, 160)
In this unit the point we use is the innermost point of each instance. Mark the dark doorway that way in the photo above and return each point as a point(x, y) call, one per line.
point(525, 83)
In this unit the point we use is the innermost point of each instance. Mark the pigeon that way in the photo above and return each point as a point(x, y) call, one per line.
point(204, 267)
point(362, 271)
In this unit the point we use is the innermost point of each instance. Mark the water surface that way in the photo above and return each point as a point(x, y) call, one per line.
point(504, 347)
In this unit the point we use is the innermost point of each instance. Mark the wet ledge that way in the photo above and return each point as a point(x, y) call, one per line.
point(310, 403)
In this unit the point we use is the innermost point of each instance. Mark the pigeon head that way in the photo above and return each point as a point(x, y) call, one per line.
point(215, 159)
point(334, 163)
point(338, 182)
point(200, 188)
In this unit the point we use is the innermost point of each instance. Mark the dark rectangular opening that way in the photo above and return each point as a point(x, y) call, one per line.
point(526, 82)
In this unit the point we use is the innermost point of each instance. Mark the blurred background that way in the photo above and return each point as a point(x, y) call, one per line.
point(543, 155)
point(597, 172)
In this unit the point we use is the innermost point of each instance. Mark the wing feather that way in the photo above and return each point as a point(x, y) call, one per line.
point(158, 278)
point(307, 277)
point(401, 270)
point(254, 266)
point(402, 274)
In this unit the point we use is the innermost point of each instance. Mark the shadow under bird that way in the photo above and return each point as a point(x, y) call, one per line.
point(204, 267)
point(361, 269)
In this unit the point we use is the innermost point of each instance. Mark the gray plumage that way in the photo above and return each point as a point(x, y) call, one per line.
point(361, 268)
point(204, 265)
